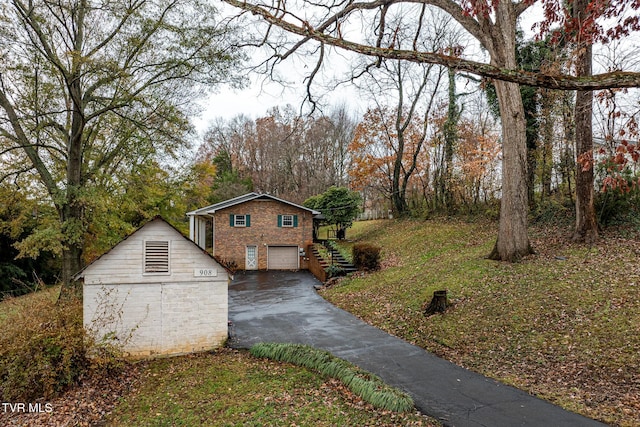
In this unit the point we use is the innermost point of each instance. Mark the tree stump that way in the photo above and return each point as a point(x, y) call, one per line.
point(438, 303)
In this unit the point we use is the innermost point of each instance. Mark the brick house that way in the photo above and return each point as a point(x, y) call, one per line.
point(255, 231)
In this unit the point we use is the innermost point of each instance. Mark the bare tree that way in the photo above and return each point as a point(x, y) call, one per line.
point(415, 93)
point(342, 130)
point(414, 89)
point(282, 153)
point(493, 25)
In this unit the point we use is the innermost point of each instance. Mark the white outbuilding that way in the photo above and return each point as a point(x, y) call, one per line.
point(156, 293)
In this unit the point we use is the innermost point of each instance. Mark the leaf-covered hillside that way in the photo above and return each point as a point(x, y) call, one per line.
point(563, 324)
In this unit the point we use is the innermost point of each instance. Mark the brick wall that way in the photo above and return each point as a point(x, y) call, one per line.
point(152, 319)
point(231, 242)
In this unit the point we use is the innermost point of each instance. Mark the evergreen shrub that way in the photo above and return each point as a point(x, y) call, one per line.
point(366, 256)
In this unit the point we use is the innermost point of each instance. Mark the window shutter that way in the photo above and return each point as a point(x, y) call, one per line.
point(247, 220)
point(231, 220)
point(295, 220)
point(279, 220)
point(156, 256)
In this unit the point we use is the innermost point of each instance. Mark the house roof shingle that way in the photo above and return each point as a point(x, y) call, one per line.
point(242, 199)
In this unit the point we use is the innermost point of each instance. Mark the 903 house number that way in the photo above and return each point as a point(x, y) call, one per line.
point(205, 272)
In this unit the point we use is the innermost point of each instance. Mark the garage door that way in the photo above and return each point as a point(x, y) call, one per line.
point(283, 258)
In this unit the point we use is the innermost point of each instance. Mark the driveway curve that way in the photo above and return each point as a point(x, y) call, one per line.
point(280, 306)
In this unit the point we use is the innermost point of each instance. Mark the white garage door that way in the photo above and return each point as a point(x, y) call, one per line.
point(283, 258)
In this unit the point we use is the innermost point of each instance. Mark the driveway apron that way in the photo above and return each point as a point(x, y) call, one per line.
point(284, 307)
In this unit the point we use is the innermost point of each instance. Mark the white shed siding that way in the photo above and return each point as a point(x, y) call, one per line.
point(129, 312)
point(165, 313)
point(125, 262)
point(190, 313)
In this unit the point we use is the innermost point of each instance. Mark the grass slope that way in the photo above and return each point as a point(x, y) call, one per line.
point(9, 306)
point(229, 388)
point(563, 324)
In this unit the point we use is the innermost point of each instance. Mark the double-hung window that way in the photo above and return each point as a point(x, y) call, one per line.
point(287, 220)
point(240, 221)
point(236, 220)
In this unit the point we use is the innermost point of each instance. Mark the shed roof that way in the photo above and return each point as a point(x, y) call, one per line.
point(243, 199)
point(80, 274)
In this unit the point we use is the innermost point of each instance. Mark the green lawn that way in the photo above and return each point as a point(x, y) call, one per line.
point(232, 388)
point(563, 324)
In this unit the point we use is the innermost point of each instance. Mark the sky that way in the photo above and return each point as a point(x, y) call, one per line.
point(253, 101)
point(262, 95)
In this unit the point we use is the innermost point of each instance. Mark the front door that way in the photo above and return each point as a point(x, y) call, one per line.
point(251, 260)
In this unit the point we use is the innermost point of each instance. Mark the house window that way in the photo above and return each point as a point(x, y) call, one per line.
point(287, 220)
point(239, 220)
point(156, 256)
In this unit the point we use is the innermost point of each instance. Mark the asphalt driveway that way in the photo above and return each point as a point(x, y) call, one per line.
point(284, 307)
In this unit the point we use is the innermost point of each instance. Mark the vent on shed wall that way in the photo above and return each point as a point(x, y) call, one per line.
point(156, 256)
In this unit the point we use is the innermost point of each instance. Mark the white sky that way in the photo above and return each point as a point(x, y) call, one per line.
point(253, 101)
point(262, 95)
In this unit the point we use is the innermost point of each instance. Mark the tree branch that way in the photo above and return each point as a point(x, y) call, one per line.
point(615, 79)
point(23, 140)
point(16, 173)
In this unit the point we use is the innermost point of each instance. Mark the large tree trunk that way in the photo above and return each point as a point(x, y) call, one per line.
point(513, 241)
point(586, 225)
point(398, 195)
point(567, 159)
point(71, 264)
point(73, 229)
point(72, 212)
point(450, 139)
point(400, 206)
